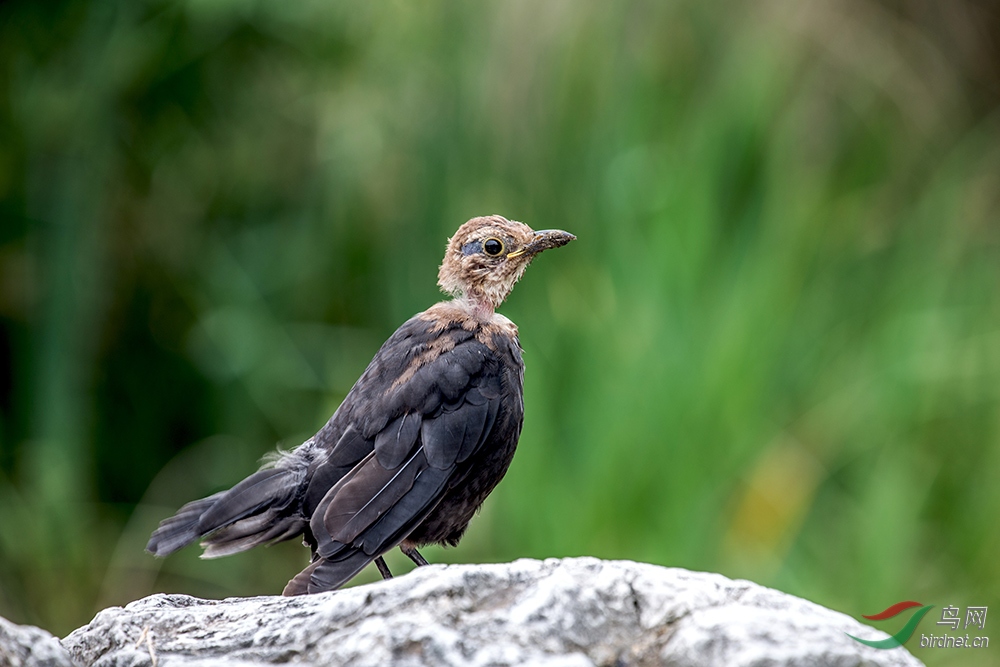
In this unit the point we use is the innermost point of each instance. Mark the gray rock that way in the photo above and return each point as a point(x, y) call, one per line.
point(574, 612)
point(26, 646)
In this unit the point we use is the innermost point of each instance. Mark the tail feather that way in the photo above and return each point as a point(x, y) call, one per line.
point(181, 529)
point(255, 511)
point(264, 528)
point(271, 488)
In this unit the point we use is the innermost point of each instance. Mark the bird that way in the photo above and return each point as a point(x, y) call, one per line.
point(416, 446)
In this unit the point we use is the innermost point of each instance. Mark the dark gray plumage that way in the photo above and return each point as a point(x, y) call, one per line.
point(422, 438)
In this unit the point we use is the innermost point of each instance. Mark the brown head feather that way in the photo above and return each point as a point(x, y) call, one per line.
point(488, 255)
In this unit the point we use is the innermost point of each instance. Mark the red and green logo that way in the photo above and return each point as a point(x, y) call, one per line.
point(905, 632)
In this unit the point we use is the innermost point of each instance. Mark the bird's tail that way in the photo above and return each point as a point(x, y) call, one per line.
point(259, 510)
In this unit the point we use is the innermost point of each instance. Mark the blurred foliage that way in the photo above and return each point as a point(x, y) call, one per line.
point(773, 352)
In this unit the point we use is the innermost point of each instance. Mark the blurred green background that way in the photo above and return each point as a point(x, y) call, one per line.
point(773, 352)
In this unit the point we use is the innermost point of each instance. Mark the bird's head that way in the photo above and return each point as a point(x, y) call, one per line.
point(487, 255)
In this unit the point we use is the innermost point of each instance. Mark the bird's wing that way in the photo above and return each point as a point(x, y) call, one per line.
point(421, 367)
point(423, 419)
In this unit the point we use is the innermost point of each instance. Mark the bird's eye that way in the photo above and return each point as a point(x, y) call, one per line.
point(493, 247)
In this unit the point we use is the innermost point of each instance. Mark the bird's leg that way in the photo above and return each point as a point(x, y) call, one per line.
point(383, 568)
point(414, 555)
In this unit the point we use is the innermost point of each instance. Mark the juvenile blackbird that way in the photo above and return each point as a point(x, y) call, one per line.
point(418, 443)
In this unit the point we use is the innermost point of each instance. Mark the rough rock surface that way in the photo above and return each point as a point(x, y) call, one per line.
point(557, 613)
point(26, 646)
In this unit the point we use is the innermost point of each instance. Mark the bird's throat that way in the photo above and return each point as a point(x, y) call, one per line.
point(477, 306)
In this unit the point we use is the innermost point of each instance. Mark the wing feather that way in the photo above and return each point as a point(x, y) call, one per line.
point(395, 442)
point(369, 494)
point(452, 431)
point(391, 529)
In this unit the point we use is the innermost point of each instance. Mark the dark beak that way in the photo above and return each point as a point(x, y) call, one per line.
point(543, 240)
